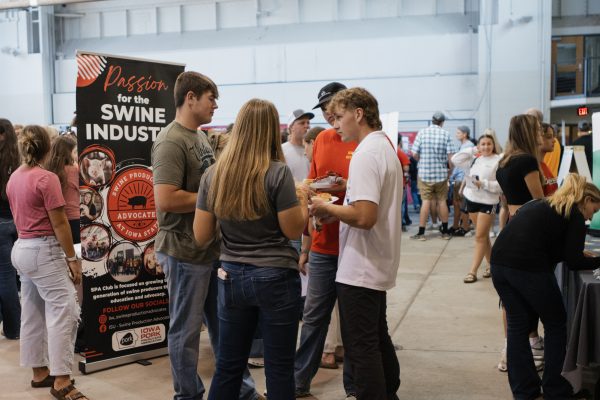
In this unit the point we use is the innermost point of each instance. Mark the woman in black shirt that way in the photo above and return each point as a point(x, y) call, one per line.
point(520, 178)
point(541, 234)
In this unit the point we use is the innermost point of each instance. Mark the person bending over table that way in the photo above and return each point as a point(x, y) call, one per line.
point(541, 234)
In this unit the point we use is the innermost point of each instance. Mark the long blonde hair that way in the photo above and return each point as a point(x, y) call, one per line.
point(574, 190)
point(237, 191)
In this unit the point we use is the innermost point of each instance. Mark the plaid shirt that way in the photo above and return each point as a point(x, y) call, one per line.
point(433, 144)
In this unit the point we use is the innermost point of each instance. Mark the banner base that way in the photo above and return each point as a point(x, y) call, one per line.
point(86, 366)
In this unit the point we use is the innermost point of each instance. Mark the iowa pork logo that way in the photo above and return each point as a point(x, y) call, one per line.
point(131, 208)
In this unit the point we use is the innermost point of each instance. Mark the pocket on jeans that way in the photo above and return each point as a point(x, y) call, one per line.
point(25, 258)
point(276, 291)
point(226, 292)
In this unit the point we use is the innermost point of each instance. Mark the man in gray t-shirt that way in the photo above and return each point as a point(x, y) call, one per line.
point(293, 149)
point(180, 155)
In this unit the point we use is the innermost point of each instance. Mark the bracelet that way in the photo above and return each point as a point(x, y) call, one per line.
point(74, 258)
point(304, 251)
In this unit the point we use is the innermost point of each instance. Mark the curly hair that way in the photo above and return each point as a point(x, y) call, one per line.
point(353, 98)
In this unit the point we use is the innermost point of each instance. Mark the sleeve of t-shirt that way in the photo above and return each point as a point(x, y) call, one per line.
point(450, 148)
point(416, 147)
point(168, 164)
point(284, 188)
point(51, 192)
point(403, 158)
point(202, 200)
point(366, 178)
point(527, 164)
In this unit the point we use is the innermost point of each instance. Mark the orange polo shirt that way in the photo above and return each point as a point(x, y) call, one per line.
point(330, 154)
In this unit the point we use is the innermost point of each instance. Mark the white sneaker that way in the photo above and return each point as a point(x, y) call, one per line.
point(433, 227)
point(470, 233)
point(502, 363)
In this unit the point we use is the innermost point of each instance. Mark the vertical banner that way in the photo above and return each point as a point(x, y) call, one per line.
point(122, 104)
point(595, 168)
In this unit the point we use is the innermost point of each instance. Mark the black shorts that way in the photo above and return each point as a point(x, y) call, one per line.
point(473, 207)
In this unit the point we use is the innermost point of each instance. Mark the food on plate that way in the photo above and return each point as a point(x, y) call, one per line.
point(308, 181)
point(331, 178)
point(324, 196)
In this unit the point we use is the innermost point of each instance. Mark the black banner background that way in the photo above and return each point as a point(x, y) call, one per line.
point(121, 106)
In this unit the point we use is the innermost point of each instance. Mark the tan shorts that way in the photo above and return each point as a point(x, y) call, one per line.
point(433, 190)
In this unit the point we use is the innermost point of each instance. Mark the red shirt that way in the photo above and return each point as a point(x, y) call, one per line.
point(330, 154)
point(550, 182)
point(32, 192)
point(404, 161)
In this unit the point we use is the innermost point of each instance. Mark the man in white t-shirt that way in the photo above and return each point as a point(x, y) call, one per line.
point(370, 233)
point(293, 149)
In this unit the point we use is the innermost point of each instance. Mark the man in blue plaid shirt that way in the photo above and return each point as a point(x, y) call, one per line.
point(433, 149)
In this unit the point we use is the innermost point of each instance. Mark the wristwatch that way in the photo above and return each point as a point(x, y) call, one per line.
point(74, 258)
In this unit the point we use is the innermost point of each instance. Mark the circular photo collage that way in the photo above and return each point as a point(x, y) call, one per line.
point(124, 261)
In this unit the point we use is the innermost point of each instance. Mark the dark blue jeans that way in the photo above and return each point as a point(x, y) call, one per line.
point(10, 306)
point(527, 295)
point(320, 299)
point(414, 193)
point(249, 297)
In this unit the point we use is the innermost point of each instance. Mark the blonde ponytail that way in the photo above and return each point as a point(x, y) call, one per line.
point(574, 190)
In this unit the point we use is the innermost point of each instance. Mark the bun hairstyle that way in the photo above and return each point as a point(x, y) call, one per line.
point(574, 190)
point(34, 144)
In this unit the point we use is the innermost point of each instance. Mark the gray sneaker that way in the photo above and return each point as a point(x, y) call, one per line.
point(420, 237)
point(446, 236)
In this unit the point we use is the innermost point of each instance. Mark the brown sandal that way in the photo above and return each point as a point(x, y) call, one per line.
point(63, 394)
point(48, 381)
point(487, 273)
point(470, 278)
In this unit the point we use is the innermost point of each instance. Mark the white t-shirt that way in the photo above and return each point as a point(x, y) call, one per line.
point(370, 258)
point(296, 160)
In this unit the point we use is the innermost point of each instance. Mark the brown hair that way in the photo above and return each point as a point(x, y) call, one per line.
point(237, 191)
point(546, 126)
point(61, 156)
point(351, 99)
point(492, 138)
point(522, 138)
point(9, 154)
point(195, 82)
point(34, 144)
point(574, 190)
point(313, 133)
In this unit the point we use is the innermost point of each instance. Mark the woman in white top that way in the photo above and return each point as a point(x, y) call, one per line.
point(481, 191)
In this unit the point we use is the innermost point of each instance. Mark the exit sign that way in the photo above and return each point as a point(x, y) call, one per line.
point(582, 111)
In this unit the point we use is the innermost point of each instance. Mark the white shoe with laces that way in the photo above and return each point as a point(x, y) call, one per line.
point(537, 349)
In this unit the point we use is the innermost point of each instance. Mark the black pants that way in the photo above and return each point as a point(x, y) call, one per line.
point(367, 343)
point(527, 295)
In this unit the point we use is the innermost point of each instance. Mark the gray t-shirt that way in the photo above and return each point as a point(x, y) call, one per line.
point(261, 242)
point(296, 160)
point(180, 157)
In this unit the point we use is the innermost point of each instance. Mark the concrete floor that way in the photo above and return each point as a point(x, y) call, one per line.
point(449, 336)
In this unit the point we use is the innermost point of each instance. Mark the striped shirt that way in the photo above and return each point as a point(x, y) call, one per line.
point(433, 145)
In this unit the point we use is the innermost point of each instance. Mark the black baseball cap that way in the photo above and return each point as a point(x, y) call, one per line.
point(327, 92)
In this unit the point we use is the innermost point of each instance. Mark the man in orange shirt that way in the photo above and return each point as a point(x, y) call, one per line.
point(329, 154)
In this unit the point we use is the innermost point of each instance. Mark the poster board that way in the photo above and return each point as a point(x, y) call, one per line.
point(595, 225)
point(573, 154)
point(122, 104)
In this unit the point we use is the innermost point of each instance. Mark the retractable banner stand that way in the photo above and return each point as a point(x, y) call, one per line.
point(122, 104)
point(595, 225)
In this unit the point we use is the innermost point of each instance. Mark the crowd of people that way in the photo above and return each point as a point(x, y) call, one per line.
point(242, 216)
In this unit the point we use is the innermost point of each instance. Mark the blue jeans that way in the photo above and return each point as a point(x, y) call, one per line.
point(525, 296)
point(10, 306)
point(414, 192)
point(249, 297)
point(320, 299)
point(192, 299)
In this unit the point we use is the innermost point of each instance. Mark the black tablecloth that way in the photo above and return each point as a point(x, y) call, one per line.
point(583, 347)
